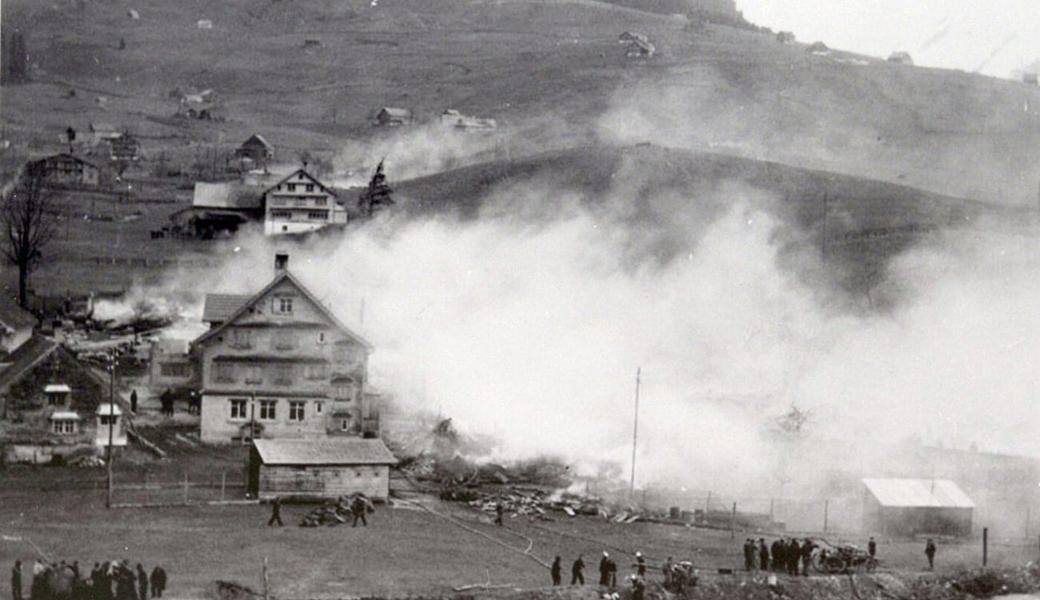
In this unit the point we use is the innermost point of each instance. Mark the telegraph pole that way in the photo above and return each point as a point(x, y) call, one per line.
point(111, 423)
point(635, 433)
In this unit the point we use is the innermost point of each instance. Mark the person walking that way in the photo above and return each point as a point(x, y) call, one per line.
point(276, 512)
point(16, 580)
point(872, 547)
point(555, 571)
point(358, 507)
point(578, 572)
point(929, 551)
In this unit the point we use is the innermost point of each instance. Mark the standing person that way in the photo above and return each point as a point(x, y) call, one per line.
point(555, 571)
point(666, 568)
point(276, 512)
point(142, 582)
point(604, 569)
point(929, 551)
point(640, 564)
point(872, 547)
point(612, 571)
point(778, 554)
point(749, 554)
point(807, 548)
point(358, 507)
point(16, 580)
point(133, 401)
point(794, 554)
point(158, 581)
point(763, 554)
point(577, 572)
point(638, 586)
point(498, 513)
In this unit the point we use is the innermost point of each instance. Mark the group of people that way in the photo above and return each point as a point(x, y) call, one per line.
point(115, 580)
point(677, 576)
point(784, 555)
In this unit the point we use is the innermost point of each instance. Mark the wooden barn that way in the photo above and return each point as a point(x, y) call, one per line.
point(910, 507)
point(319, 468)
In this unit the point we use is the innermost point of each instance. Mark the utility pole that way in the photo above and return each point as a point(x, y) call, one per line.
point(635, 433)
point(111, 423)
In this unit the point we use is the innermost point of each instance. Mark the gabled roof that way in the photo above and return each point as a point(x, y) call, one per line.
point(67, 156)
point(27, 356)
point(219, 307)
point(938, 493)
point(259, 139)
point(14, 317)
point(224, 195)
point(295, 174)
point(336, 451)
point(283, 276)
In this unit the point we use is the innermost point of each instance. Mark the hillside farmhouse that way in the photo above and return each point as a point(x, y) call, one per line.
point(256, 149)
point(300, 203)
point(279, 364)
point(319, 468)
point(65, 169)
point(393, 117)
point(219, 207)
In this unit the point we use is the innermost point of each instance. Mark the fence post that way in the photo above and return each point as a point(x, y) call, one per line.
point(826, 513)
point(772, 516)
point(267, 584)
point(733, 522)
point(985, 545)
point(223, 483)
point(707, 506)
point(185, 487)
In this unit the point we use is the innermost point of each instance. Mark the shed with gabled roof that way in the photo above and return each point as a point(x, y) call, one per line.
point(322, 468)
point(910, 507)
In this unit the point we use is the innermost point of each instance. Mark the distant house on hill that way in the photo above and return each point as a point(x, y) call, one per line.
point(256, 148)
point(279, 364)
point(300, 203)
point(640, 49)
point(103, 132)
point(910, 507)
point(632, 36)
point(393, 117)
point(818, 48)
point(65, 169)
point(453, 118)
point(902, 58)
point(124, 147)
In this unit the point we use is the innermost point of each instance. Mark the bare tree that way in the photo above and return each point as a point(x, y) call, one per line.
point(28, 222)
point(793, 422)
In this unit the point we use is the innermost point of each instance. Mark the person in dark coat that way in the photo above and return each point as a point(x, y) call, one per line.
point(640, 564)
point(638, 587)
point(142, 582)
point(872, 548)
point(133, 401)
point(929, 551)
point(16, 580)
point(276, 512)
point(604, 569)
point(807, 548)
point(125, 583)
point(554, 570)
point(578, 572)
point(158, 581)
point(749, 554)
point(358, 508)
point(794, 553)
point(498, 513)
point(612, 572)
point(778, 555)
point(763, 554)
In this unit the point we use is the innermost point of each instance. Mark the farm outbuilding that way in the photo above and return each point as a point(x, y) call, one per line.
point(909, 507)
point(319, 468)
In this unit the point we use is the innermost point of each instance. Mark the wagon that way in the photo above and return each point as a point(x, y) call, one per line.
point(831, 558)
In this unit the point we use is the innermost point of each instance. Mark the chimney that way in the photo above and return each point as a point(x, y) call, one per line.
point(281, 262)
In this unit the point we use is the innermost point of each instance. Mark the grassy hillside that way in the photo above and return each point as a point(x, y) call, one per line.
point(853, 225)
point(525, 63)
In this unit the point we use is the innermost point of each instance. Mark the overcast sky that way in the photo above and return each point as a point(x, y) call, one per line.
point(994, 37)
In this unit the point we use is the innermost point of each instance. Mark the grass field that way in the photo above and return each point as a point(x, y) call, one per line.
point(404, 550)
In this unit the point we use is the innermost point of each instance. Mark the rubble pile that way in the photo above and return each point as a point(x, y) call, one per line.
point(334, 512)
point(536, 503)
point(979, 583)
